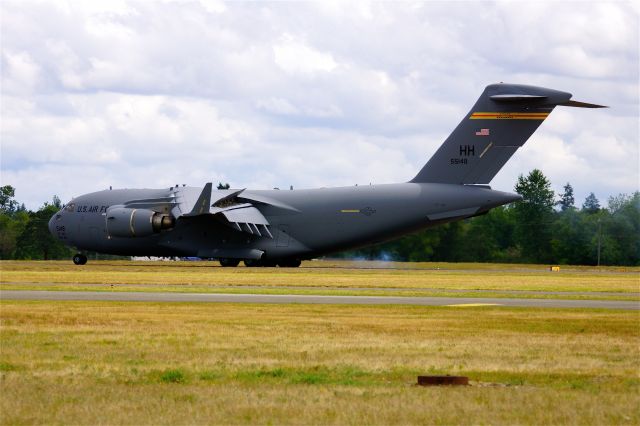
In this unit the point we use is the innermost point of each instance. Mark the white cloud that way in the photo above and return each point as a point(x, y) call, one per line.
point(144, 94)
point(294, 56)
point(277, 105)
point(20, 74)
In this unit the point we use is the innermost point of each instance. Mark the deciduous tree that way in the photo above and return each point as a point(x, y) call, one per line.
point(7, 204)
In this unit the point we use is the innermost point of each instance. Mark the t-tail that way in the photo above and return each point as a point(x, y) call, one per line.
point(500, 122)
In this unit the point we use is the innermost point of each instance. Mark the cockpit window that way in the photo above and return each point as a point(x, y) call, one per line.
point(70, 207)
point(58, 216)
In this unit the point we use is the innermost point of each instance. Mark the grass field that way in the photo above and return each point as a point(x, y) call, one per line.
point(135, 363)
point(182, 363)
point(322, 277)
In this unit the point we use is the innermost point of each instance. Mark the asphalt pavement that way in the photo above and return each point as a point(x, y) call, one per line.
point(312, 299)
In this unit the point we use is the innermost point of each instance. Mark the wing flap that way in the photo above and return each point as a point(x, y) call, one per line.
point(245, 215)
point(247, 219)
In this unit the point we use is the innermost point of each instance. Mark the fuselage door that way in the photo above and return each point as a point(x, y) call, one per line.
point(283, 236)
point(96, 236)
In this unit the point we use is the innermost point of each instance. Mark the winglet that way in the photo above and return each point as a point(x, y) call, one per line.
point(203, 204)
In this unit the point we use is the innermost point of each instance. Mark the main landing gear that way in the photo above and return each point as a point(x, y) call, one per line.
point(283, 263)
point(229, 262)
point(289, 263)
point(79, 259)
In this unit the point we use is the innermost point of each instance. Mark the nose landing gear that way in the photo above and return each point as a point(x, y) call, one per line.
point(79, 259)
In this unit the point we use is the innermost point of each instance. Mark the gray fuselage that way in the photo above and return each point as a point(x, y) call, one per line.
point(303, 223)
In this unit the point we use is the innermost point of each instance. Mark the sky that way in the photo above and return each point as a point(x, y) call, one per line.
point(149, 94)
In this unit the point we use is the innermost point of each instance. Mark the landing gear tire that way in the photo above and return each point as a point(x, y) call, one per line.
point(229, 263)
point(289, 263)
point(252, 263)
point(79, 259)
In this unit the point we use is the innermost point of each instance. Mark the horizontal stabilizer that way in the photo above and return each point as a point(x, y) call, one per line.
point(581, 105)
point(516, 98)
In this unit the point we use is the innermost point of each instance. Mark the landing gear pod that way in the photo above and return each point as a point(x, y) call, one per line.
point(127, 222)
point(229, 263)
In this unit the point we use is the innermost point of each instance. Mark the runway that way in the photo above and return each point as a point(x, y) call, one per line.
point(251, 287)
point(312, 299)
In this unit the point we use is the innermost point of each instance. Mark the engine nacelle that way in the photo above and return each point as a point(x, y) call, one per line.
point(127, 222)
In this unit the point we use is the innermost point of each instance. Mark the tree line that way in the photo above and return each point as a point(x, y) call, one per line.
point(538, 229)
point(24, 234)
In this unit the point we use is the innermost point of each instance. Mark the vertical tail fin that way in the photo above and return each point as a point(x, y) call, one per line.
point(500, 122)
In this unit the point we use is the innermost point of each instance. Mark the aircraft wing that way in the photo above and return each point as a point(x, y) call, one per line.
point(231, 209)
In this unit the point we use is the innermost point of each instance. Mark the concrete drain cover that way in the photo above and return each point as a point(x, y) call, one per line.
point(442, 380)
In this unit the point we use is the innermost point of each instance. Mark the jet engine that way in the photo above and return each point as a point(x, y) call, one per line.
point(128, 222)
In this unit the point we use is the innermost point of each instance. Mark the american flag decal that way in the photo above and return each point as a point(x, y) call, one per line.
point(482, 132)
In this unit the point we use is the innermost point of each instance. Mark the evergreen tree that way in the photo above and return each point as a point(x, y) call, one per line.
point(56, 202)
point(566, 199)
point(223, 185)
point(534, 216)
point(591, 204)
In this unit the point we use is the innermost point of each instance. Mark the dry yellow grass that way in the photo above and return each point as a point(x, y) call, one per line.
point(318, 274)
point(135, 363)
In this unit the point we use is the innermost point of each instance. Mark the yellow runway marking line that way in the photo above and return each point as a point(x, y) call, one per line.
point(469, 305)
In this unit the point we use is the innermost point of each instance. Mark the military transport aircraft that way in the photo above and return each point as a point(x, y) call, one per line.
point(273, 227)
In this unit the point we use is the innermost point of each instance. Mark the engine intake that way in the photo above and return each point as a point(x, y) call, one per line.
point(128, 222)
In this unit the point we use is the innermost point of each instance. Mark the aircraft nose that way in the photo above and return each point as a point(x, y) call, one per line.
point(52, 226)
